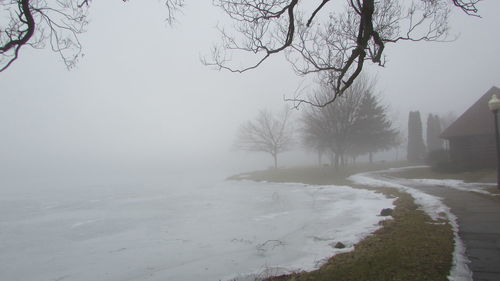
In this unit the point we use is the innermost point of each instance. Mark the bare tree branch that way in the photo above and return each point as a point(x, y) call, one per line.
point(17, 34)
point(340, 43)
point(468, 6)
point(309, 21)
point(58, 23)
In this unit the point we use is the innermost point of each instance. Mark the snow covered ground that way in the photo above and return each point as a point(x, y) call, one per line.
point(184, 230)
point(456, 184)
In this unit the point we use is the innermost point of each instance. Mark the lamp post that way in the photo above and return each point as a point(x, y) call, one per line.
point(494, 105)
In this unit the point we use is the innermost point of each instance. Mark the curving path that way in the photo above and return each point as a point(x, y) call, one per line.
point(479, 226)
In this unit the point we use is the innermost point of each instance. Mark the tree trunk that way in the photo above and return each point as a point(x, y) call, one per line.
point(332, 159)
point(319, 157)
point(370, 155)
point(275, 156)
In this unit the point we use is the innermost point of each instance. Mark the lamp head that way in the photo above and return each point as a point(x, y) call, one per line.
point(494, 103)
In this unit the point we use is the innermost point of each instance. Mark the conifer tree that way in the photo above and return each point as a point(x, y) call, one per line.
point(374, 131)
point(416, 146)
point(434, 142)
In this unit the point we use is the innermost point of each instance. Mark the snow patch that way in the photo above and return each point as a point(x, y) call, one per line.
point(457, 184)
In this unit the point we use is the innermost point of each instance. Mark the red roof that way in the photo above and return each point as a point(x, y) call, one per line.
point(477, 120)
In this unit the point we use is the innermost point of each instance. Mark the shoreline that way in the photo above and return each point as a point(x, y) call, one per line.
point(405, 210)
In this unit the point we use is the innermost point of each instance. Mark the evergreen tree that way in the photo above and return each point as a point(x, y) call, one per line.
point(374, 131)
point(434, 142)
point(416, 146)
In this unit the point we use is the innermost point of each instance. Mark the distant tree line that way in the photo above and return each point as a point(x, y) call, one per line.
point(355, 124)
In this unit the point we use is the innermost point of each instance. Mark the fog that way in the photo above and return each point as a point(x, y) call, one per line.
point(140, 102)
point(114, 170)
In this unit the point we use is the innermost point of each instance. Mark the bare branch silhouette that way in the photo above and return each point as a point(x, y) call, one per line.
point(267, 133)
point(57, 23)
point(317, 38)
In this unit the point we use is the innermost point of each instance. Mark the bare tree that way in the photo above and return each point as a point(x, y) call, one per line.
point(334, 124)
point(355, 124)
point(314, 136)
point(56, 23)
point(316, 39)
point(267, 133)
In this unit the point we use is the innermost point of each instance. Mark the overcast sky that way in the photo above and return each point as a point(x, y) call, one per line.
point(140, 94)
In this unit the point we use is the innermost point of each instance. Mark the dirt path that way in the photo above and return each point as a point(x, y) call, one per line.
point(479, 227)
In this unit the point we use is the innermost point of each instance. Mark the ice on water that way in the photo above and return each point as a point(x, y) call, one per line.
point(184, 230)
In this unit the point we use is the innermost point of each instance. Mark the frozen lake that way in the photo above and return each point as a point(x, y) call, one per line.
point(188, 229)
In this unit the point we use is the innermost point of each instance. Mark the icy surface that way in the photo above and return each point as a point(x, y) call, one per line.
point(432, 205)
point(457, 184)
point(178, 231)
point(445, 183)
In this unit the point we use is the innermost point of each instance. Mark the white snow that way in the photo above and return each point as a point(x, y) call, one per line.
point(431, 205)
point(445, 183)
point(457, 184)
point(179, 231)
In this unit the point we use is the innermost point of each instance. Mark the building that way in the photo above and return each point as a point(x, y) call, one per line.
point(471, 138)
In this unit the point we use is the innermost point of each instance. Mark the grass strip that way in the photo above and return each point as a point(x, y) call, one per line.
point(315, 175)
